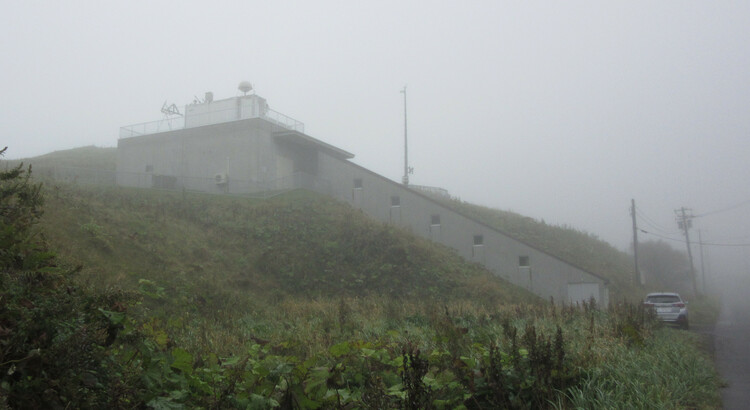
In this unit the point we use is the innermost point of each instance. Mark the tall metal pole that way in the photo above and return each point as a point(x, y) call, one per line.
point(405, 178)
point(703, 266)
point(638, 279)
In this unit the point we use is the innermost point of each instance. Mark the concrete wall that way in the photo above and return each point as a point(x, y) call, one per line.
point(230, 109)
point(192, 158)
point(519, 263)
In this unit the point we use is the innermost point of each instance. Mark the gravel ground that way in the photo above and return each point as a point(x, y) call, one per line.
point(731, 347)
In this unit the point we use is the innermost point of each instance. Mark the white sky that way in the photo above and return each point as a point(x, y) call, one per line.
point(561, 111)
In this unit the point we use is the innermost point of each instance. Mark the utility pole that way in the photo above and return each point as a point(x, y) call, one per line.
point(685, 222)
point(703, 266)
point(405, 178)
point(638, 278)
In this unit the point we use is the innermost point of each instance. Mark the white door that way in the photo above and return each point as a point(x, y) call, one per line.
point(580, 292)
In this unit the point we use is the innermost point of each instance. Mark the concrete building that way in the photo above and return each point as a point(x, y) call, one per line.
point(236, 145)
point(240, 146)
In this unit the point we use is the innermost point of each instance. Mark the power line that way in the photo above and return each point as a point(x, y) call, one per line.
point(661, 236)
point(657, 227)
point(653, 224)
point(704, 243)
point(729, 208)
point(730, 245)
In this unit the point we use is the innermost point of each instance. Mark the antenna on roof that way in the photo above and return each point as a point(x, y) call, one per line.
point(245, 87)
point(168, 110)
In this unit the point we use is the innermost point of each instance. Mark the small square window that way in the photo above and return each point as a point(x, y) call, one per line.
point(478, 240)
point(435, 220)
point(395, 201)
point(523, 261)
point(357, 183)
point(149, 168)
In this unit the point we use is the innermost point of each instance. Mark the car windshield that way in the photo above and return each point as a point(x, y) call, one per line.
point(663, 299)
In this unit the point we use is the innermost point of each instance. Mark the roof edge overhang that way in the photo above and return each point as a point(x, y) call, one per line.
point(296, 137)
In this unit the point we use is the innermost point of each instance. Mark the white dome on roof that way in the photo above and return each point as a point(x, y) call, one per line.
point(245, 86)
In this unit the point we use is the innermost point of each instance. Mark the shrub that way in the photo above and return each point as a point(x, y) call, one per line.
point(53, 336)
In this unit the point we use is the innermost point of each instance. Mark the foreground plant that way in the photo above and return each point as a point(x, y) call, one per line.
point(186, 343)
point(535, 358)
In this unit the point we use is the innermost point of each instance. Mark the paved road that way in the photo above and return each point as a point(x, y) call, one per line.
point(732, 346)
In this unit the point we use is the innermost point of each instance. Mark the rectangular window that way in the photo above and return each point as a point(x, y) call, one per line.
point(435, 220)
point(435, 227)
point(523, 261)
point(395, 201)
point(357, 183)
point(477, 250)
point(149, 168)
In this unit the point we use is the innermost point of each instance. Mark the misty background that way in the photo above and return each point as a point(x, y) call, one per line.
point(561, 111)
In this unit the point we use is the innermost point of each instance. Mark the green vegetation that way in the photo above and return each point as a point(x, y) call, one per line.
point(181, 300)
point(300, 243)
point(213, 258)
point(704, 310)
point(52, 335)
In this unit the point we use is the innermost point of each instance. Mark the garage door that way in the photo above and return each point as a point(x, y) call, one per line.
point(579, 292)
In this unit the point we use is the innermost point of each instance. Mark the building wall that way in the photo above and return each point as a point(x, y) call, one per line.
point(391, 202)
point(230, 109)
point(243, 150)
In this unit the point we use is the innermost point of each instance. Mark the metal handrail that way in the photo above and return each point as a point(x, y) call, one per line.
point(177, 123)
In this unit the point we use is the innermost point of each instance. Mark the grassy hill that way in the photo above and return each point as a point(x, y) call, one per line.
point(299, 301)
point(299, 243)
point(83, 157)
point(576, 247)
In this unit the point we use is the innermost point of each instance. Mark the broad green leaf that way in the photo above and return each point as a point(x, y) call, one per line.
point(367, 352)
point(230, 361)
point(161, 338)
point(469, 361)
point(340, 349)
point(183, 361)
point(114, 318)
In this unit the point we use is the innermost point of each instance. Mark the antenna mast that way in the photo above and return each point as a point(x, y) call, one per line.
point(407, 170)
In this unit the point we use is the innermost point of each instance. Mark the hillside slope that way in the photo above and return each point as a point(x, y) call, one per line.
point(573, 246)
point(300, 302)
point(296, 244)
point(84, 157)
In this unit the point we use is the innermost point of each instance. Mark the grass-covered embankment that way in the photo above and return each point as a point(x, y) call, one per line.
point(301, 302)
point(377, 353)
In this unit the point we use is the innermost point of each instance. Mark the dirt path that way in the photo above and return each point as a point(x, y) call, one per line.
point(732, 347)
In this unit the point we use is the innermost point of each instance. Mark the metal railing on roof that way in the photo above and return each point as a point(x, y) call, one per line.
point(214, 117)
point(152, 127)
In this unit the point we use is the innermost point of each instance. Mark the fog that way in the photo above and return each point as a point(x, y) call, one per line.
point(560, 111)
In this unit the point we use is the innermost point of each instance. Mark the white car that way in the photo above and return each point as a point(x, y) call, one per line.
point(669, 307)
